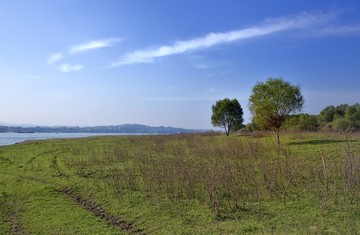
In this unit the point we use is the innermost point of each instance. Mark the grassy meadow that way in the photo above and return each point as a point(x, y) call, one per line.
point(182, 184)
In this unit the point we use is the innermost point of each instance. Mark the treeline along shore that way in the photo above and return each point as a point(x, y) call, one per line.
point(126, 128)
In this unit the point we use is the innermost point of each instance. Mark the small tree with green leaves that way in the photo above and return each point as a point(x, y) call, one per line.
point(227, 114)
point(272, 101)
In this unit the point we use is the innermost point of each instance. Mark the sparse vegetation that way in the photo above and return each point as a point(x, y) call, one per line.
point(192, 184)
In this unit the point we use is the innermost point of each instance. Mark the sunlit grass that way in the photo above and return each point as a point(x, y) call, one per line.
point(192, 184)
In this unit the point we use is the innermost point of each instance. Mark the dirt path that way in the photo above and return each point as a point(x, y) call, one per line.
point(101, 213)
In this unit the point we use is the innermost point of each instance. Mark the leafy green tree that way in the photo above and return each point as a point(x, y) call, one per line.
point(340, 110)
point(353, 116)
point(301, 122)
point(341, 124)
point(228, 114)
point(308, 122)
point(327, 115)
point(271, 102)
point(340, 118)
point(251, 127)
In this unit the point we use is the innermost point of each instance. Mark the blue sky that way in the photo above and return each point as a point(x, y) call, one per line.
point(86, 63)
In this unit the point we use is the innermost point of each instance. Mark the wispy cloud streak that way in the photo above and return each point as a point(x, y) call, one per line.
point(340, 30)
point(67, 68)
point(95, 44)
point(55, 57)
point(268, 27)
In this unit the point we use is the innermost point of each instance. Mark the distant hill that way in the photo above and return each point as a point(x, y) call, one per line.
point(126, 128)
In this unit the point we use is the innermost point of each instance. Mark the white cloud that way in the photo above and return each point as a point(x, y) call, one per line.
point(93, 45)
point(340, 30)
point(270, 26)
point(66, 68)
point(55, 57)
point(80, 48)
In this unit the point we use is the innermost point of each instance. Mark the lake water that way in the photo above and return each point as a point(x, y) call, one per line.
point(13, 138)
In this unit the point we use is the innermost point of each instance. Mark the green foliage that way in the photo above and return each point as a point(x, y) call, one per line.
point(332, 118)
point(228, 114)
point(340, 124)
point(272, 101)
point(302, 122)
point(343, 117)
point(327, 115)
point(308, 122)
point(252, 127)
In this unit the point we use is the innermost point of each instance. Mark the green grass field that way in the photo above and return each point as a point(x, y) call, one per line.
point(182, 184)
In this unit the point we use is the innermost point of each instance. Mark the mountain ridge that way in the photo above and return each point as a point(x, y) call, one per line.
point(123, 128)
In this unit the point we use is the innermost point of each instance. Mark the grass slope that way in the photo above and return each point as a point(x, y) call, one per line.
point(182, 184)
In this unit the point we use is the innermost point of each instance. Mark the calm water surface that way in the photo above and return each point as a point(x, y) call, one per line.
point(13, 138)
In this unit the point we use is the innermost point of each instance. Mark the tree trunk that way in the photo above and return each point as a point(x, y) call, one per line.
point(277, 136)
point(227, 130)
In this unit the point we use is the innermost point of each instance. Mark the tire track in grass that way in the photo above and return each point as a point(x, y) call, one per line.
point(12, 217)
point(97, 210)
point(102, 214)
point(15, 225)
point(58, 151)
point(10, 209)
